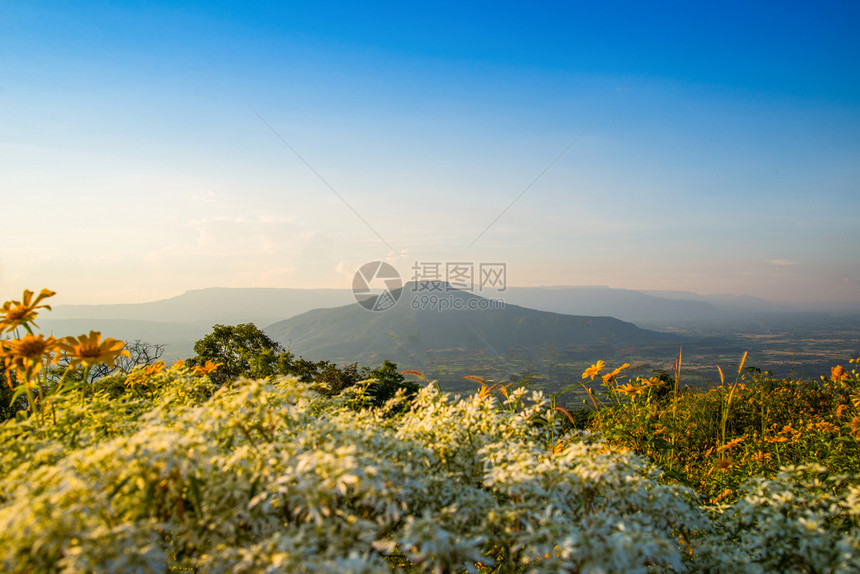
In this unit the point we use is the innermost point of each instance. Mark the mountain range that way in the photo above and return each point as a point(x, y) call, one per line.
point(536, 329)
point(264, 306)
point(260, 306)
point(467, 323)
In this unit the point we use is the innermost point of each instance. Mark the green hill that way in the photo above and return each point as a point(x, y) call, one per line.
point(469, 333)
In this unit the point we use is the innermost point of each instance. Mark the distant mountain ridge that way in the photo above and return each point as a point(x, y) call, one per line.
point(624, 304)
point(230, 305)
point(180, 321)
point(264, 306)
point(411, 330)
point(539, 332)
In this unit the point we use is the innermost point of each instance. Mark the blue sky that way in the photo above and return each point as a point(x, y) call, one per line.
point(715, 147)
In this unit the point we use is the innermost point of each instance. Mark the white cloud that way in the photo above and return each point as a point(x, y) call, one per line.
point(780, 262)
point(394, 256)
point(346, 270)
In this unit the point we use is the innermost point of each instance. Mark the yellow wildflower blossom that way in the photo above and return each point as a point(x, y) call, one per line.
point(609, 378)
point(826, 427)
point(154, 368)
point(88, 350)
point(23, 312)
point(724, 494)
point(653, 382)
point(730, 445)
point(761, 456)
point(27, 354)
point(207, 368)
point(837, 373)
point(630, 390)
point(135, 378)
point(593, 370)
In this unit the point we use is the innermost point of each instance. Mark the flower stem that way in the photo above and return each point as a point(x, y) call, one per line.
point(84, 382)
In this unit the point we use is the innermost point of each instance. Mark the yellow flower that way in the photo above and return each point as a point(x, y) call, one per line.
point(653, 382)
point(609, 378)
point(840, 410)
point(207, 368)
point(178, 364)
point(593, 370)
point(630, 390)
point(727, 492)
point(826, 427)
point(730, 445)
point(135, 378)
point(26, 354)
point(22, 312)
point(761, 456)
point(837, 373)
point(88, 350)
point(154, 368)
point(855, 427)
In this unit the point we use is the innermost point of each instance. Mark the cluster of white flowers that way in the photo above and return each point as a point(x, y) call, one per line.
point(804, 520)
point(271, 477)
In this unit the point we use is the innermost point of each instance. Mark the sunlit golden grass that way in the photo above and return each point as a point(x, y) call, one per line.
point(716, 439)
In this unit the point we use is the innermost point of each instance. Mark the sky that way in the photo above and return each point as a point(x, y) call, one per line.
point(148, 148)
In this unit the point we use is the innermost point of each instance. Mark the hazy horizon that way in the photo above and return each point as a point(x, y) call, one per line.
point(661, 293)
point(151, 149)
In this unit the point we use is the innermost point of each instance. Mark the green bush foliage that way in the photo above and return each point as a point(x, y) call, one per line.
point(245, 350)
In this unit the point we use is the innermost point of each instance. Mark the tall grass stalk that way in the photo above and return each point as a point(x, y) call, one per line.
point(675, 398)
point(761, 400)
point(677, 382)
point(725, 415)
